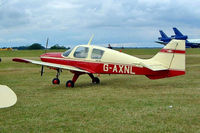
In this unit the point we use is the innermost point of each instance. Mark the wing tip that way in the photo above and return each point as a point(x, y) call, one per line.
point(20, 60)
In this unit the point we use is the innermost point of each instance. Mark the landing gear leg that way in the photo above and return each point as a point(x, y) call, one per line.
point(70, 83)
point(95, 80)
point(56, 80)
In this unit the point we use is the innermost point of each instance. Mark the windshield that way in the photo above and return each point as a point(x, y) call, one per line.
point(66, 53)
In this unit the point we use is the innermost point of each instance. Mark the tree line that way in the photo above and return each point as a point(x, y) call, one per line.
point(37, 46)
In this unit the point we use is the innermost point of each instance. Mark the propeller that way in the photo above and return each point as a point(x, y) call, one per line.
point(42, 69)
point(47, 42)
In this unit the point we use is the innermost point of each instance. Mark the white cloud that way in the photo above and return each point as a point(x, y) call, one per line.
point(18, 40)
point(114, 21)
point(59, 5)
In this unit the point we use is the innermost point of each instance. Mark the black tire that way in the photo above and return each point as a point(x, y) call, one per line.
point(95, 80)
point(70, 83)
point(56, 81)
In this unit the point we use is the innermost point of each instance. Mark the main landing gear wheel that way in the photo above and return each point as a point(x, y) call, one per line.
point(95, 80)
point(70, 84)
point(56, 81)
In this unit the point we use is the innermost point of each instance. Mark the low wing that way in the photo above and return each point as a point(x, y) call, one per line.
point(67, 67)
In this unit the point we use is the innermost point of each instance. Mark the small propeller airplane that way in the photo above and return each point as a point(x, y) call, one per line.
point(90, 59)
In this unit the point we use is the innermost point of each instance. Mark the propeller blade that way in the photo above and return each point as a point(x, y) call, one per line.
point(46, 44)
point(42, 70)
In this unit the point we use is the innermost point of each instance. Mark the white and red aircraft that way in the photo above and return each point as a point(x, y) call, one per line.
point(89, 59)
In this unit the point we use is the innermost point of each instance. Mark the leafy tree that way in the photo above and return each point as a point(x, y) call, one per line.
point(36, 46)
point(57, 47)
point(21, 47)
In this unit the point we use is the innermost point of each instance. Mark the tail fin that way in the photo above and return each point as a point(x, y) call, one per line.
point(171, 57)
point(163, 35)
point(179, 35)
point(164, 38)
point(177, 32)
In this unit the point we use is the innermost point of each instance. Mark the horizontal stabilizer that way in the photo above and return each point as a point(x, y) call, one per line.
point(154, 66)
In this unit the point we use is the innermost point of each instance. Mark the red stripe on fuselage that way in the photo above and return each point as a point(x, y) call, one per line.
point(99, 67)
point(53, 54)
point(170, 73)
point(111, 68)
point(172, 51)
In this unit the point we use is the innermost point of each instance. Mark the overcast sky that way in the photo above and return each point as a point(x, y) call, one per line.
point(72, 22)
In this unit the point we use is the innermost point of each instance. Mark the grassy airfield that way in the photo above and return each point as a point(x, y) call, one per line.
point(119, 103)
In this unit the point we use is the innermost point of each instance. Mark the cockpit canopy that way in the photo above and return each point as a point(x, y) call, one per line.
point(97, 53)
point(66, 53)
point(84, 52)
point(81, 52)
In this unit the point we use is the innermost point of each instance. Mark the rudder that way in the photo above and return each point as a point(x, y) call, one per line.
point(172, 57)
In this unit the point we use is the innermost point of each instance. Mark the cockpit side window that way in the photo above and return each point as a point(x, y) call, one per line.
point(81, 52)
point(66, 53)
point(97, 53)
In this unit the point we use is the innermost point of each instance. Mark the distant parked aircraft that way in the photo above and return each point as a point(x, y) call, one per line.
point(178, 35)
point(164, 38)
point(190, 43)
point(109, 46)
point(6, 49)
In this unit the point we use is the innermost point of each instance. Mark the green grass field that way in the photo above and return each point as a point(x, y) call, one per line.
point(119, 104)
